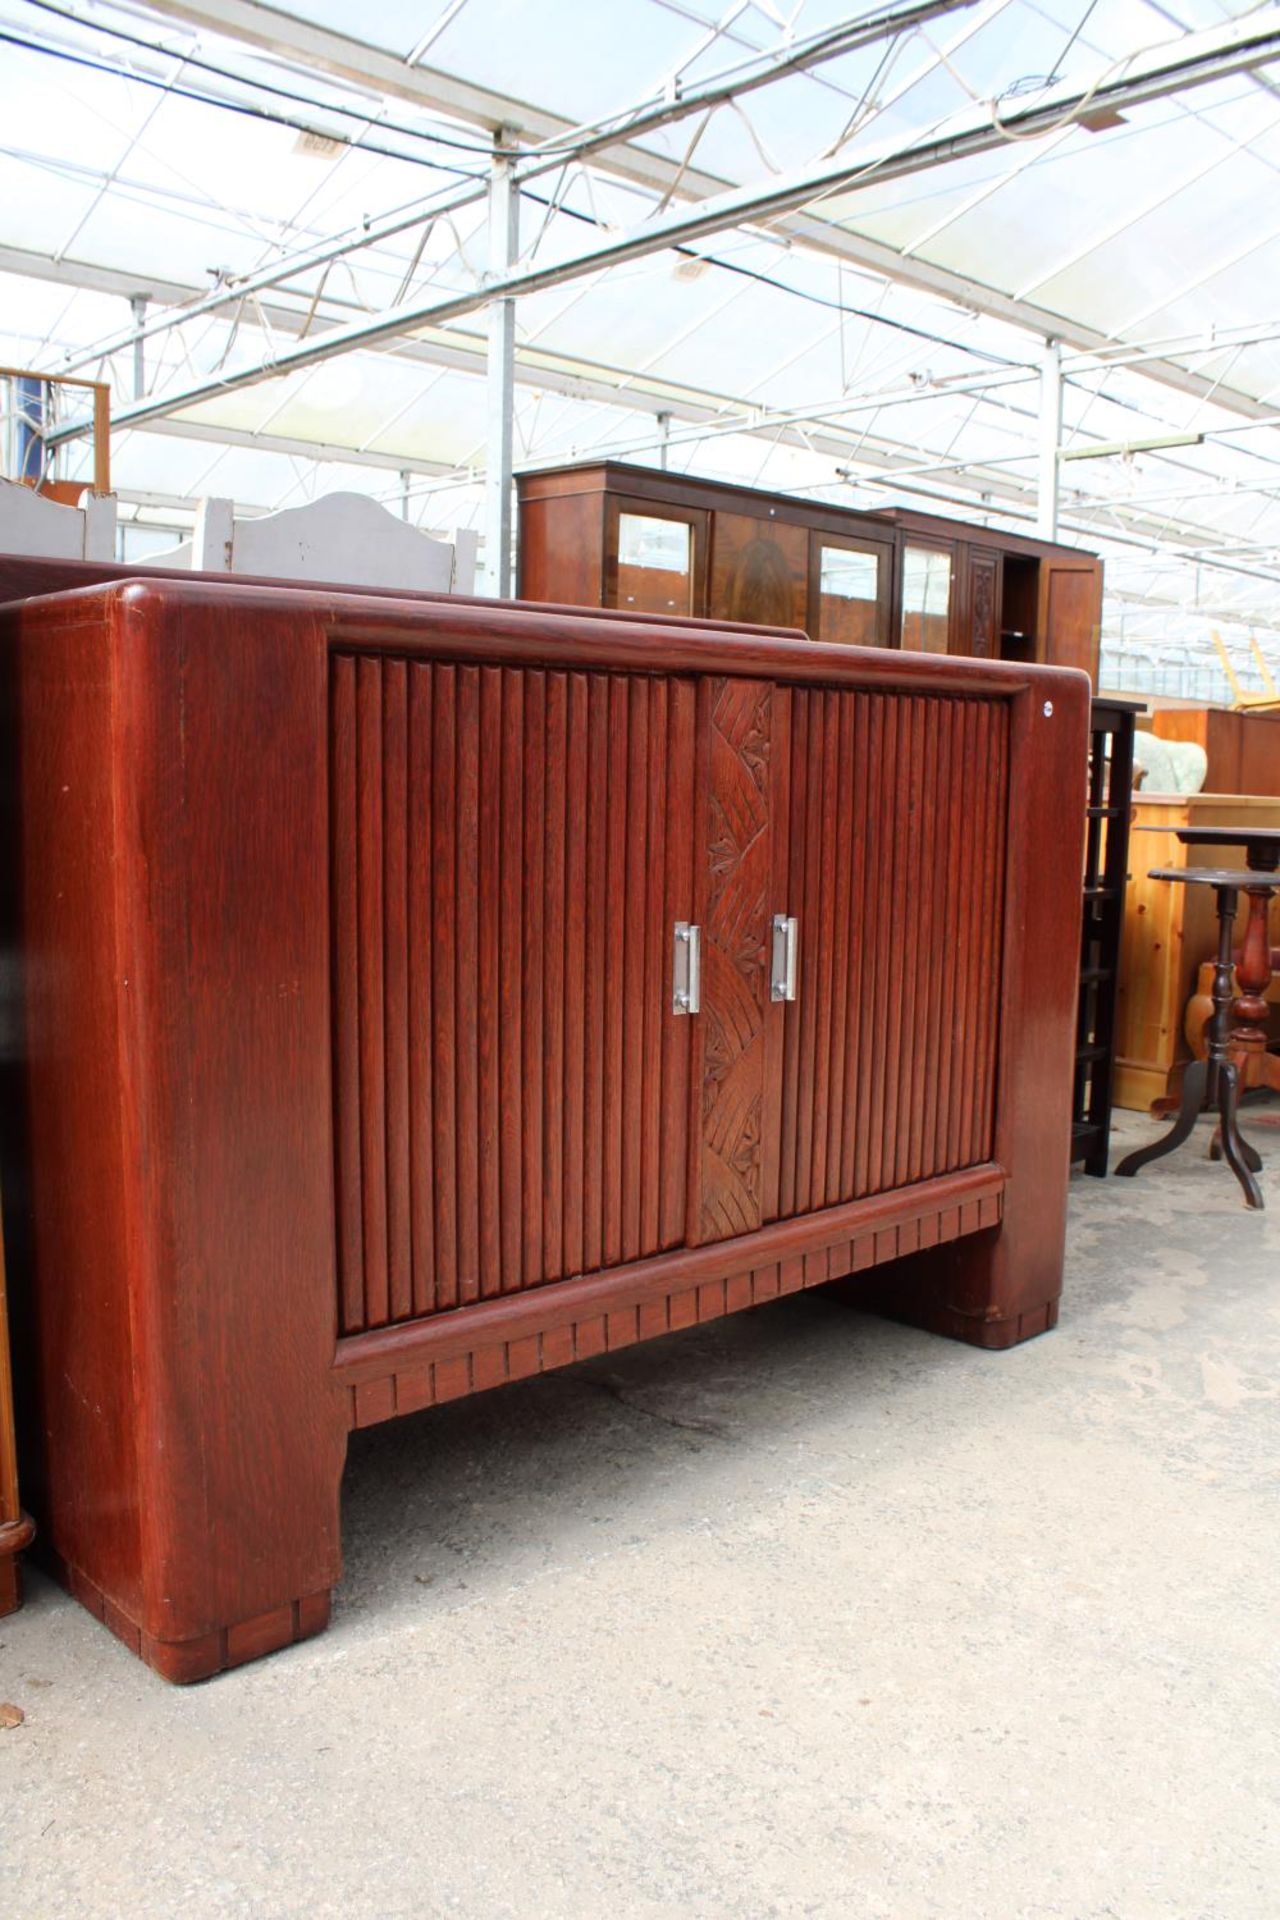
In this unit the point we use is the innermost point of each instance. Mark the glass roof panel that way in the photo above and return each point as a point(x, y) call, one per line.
point(786, 352)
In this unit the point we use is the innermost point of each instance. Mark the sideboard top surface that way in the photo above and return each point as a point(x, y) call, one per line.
point(28, 577)
point(492, 631)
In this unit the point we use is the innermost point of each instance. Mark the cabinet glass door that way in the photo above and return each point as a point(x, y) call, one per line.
point(655, 563)
point(849, 593)
point(926, 598)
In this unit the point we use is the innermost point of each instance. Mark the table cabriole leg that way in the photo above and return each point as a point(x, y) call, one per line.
point(1233, 1146)
point(1195, 1093)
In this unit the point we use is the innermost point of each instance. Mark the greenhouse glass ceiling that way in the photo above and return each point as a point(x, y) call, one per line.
point(817, 249)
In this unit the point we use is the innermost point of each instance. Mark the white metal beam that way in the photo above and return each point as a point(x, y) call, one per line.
point(361, 65)
point(322, 450)
point(1197, 59)
point(577, 144)
point(1050, 439)
point(454, 347)
point(968, 491)
point(504, 248)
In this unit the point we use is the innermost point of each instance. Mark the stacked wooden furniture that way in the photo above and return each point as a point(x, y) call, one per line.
point(1243, 748)
point(1106, 868)
point(613, 535)
point(366, 1059)
point(1169, 931)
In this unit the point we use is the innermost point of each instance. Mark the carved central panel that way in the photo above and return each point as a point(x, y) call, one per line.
point(736, 988)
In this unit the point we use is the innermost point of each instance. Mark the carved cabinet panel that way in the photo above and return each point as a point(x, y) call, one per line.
point(736, 839)
point(980, 637)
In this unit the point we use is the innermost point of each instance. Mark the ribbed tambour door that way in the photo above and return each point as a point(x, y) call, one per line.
point(510, 850)
point(892, 859)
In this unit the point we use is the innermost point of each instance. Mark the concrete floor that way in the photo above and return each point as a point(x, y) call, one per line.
point(799, 1614)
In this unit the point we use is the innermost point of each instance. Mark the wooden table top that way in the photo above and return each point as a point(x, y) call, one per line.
point(1261, 844)
point(1238, 877)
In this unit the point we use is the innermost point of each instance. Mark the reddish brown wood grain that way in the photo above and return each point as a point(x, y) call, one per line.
point(553, 898)
point(595, 973)
point(395, 901)
point(789, 1070)
point(727, 1163)
point(549, 1045)
point(353, 1022)
point(370, 938)
point(473, 989)
point(443, 952)
point(577, 987)
point(421, 1051)
point(902, 972)
point(487, 847)
point(658, 833)
point(185, 1446)
point(843, 810)
point(346, 976)
point(634, 920)
point(778, 897)
point(676, 1048)
point(636, 1300)
point(614, 929)
point(533, 946)
point(503, 1031)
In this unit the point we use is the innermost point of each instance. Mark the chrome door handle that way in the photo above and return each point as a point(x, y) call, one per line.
point(783, 967)
point(686, 969)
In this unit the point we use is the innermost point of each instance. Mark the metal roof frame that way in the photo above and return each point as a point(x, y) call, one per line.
point(1195, 61)
point(311, 46)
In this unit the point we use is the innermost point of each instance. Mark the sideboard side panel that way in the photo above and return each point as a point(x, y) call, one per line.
point(223, 753)
point(64, 992)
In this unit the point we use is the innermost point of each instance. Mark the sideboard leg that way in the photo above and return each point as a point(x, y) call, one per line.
point(957, 1291)
point(183, 1435)
point(216, 1589)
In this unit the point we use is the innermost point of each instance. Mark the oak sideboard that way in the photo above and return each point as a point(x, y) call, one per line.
point(406, 997)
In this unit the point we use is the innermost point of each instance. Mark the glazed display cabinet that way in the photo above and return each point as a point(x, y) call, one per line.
point(612, 535)
point(406, 997)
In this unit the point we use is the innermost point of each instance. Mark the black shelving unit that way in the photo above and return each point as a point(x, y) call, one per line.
point(1106, 872)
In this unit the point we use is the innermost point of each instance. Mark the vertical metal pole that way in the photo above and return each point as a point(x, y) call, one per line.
point(138, 308)
point(664, 438)
point(504, 244)
point(101, 437)
point(1050, 441)
point(28, 408)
